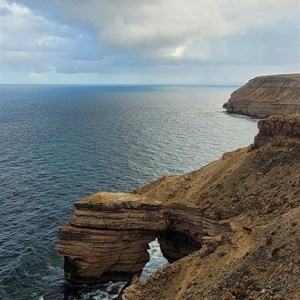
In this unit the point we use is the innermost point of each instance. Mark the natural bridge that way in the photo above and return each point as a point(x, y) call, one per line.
point(108, 234)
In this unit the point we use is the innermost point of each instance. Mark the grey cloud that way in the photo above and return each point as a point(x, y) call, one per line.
point(160, 28)
point(30, 42)
point(149, 37)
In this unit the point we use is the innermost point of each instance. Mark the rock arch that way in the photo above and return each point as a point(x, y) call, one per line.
point(107, 235)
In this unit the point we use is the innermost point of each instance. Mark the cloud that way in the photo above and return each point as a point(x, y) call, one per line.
point(150, 28)
point(161, 23)
point(159, 28)
point(31, 42)
point(36, 75)
point(247, 15)
point(113, 37)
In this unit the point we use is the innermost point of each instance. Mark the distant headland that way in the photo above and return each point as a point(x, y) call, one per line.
point(266, 95)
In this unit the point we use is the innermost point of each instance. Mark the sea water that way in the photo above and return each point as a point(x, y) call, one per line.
point(59, 143)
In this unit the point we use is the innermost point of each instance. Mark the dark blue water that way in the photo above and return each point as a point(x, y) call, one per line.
point(60, 143)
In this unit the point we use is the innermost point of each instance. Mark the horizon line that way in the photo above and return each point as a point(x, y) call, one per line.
point(129, 84)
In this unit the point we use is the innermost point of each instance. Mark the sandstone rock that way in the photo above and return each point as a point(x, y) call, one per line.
point(217, 232)
point(278, 131)
point(94, 255)
point(296, 260)
point(108, 234)
point(266, 95)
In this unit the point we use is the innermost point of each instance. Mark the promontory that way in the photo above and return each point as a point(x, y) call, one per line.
point(230, 230)
point(266, 95)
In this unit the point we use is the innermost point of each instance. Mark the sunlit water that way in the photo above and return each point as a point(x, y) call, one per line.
point(60, 143)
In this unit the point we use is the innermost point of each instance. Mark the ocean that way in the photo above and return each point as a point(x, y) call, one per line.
point(59, 143)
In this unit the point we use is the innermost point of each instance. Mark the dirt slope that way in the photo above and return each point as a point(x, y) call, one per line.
point(256, 190)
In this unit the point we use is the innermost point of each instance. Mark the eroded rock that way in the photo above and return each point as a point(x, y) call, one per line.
point(278, 131)
point(108, 234)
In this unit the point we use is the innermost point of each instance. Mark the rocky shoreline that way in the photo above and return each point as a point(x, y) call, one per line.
point(231, 229)
point(264, 96)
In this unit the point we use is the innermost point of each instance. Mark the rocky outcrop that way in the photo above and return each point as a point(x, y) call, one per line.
point(108, 234)
point(231, 228)
point(266, 95)
point(286, 129)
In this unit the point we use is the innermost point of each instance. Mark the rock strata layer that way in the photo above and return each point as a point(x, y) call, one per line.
point(266, 95)
point(231, 229)
point(108, 234)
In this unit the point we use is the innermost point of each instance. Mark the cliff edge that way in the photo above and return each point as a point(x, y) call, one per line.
point(266, 95)
point(230, 230)
point(256, 191)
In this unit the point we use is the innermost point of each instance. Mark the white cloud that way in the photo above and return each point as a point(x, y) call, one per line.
point(15, 8)
point(33, 43)
point(161, 23)
point(131, 36)
point(22, 32)
point(151, 27)
point(178, 52)
point(36, 75)
point(154, 28)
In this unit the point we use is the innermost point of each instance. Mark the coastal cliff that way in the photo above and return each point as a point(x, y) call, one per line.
point(108, 234)
point(266, 95)
point(231, 229)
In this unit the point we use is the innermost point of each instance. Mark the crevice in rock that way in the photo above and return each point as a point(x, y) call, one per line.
point(175, 245)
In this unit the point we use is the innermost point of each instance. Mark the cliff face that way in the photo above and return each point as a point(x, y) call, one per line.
point(108, 234)
point(266, 95)
point(231, 228)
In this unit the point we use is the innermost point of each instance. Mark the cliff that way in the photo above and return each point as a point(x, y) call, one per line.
point(108, 234)
point(231, 229)
point(266, 95)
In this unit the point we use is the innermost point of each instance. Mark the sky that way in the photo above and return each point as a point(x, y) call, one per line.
point(147, 41)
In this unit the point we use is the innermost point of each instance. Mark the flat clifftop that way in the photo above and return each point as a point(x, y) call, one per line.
point(266, 95)
point(230, 230)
